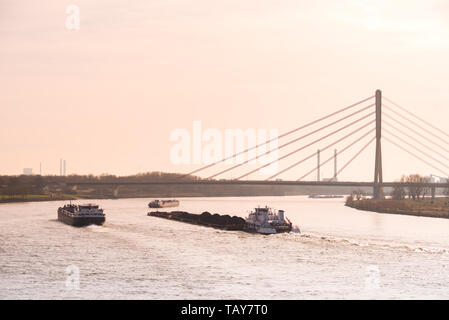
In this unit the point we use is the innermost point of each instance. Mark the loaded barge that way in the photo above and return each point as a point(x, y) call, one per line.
point(261, 220)
point(81, 215)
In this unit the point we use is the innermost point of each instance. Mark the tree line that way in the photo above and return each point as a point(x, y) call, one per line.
point(412, 192)
point(21, 185)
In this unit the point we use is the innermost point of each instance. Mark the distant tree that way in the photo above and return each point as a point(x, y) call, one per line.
point(425, 190)
point(38, 185)
point(398, 193)
point(357, 194)
point(416, 192)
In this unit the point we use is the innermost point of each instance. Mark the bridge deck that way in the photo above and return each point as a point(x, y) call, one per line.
point(263, 182)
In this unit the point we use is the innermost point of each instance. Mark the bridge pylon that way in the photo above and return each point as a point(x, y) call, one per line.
point(378, 190)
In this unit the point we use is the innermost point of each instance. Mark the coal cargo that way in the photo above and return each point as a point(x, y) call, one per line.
point(225, 222)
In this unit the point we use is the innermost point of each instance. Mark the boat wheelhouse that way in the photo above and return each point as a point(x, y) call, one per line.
point(268, 221)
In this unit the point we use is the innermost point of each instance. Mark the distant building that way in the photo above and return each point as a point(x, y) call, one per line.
point(437, 179)
point(62, 167)
point(28, 171)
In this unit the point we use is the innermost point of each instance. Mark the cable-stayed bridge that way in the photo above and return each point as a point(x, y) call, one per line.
point(368, 121)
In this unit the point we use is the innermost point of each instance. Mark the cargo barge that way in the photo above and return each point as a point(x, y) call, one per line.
point(261, 220)
point(163, 203)
point(81, 215)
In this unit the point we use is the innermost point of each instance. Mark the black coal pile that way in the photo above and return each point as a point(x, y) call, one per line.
point(225, 222)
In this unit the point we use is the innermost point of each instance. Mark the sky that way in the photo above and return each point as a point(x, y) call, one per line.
point(107, 97)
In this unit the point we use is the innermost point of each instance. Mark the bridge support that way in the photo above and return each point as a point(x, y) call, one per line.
point(432, 190)
point(115, 190)
point(377, 189)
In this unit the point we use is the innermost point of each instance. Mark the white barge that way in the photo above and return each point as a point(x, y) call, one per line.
point(163, 203)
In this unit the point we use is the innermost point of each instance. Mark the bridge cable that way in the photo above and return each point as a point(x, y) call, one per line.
point(280, 136)
point(300, 138)
point(412, 146)
point(297, 150)
point(355, 156)
point(416, 141)
point(414, 131)
point(419, 118)
point(327, 147)
point(411, 153)
point(416, 124)
point(308, 145)
point(338, 153)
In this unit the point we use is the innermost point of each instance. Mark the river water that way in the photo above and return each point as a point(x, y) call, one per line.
point(341, 253)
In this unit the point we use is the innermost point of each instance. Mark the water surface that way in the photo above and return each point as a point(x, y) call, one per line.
point(341, 253)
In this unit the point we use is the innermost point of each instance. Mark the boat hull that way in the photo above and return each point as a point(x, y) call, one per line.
point(164, 205)
point(269, 229)
point(80, 221)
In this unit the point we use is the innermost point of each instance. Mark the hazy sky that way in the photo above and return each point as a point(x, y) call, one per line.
point(107, 97)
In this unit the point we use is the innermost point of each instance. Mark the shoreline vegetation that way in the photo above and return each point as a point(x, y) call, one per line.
point(413, 200)
point(437, 208)
point(48, 197)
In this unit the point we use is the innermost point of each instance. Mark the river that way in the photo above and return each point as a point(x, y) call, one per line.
point(341, 253)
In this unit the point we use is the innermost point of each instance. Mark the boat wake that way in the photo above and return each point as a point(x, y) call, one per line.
point(318, 239)
point(95, 228)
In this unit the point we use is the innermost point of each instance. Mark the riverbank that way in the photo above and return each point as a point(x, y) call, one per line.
point(47, 197)
point(438, 208)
